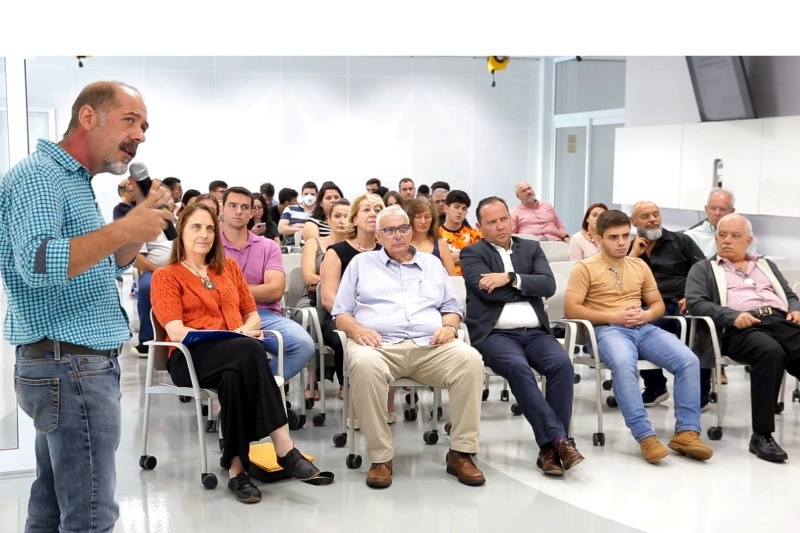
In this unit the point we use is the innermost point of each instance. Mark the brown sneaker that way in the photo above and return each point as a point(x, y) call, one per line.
point(689, 443)
point(549, 462)
point(460, 464)
point(380, 475)
point(652, 450)
point(569, 454)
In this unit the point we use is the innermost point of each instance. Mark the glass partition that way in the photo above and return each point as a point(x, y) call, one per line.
point(8, 401)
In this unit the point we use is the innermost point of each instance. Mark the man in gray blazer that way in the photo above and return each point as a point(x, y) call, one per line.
point(758, 321)
point(506, 280)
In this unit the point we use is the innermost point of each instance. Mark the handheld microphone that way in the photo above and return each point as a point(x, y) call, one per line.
point(140, 173)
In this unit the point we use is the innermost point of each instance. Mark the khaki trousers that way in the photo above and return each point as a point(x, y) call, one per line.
point(454, 366)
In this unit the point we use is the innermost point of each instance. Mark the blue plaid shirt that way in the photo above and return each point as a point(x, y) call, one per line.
point(46, 200)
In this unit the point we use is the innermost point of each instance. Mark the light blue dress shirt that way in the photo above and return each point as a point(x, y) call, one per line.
point(399, 301)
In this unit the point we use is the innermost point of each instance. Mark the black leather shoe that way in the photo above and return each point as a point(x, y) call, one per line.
point(298, 466)
point(243, 489)
point(765, 447)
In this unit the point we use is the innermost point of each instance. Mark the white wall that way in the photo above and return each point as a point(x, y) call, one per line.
point(658, 90)
point(247, 120)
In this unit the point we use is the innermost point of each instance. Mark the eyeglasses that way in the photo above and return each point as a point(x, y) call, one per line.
point(405, 229)
point(617, 278)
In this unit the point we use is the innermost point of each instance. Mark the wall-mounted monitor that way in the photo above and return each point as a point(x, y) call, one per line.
point(721, 88)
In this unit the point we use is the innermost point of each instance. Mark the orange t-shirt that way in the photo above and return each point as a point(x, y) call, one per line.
point(456, 240)
point(178, 294)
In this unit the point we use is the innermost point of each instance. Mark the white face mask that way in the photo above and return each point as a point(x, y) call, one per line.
point(309, 199)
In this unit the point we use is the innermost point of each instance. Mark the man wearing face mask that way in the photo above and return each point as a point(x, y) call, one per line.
point(294, 217)
point(670, 256)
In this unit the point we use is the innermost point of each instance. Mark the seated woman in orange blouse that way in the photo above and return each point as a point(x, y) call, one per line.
point(199, 289)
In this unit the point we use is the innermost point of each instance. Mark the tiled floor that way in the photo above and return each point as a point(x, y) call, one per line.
point(614, 490)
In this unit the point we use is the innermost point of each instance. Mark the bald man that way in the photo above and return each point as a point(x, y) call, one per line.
point(532, 216)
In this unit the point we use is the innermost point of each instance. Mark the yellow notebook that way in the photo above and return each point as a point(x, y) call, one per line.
point(264, 463)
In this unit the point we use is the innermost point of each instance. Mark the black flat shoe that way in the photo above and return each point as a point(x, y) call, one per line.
point(765, 447)
point(244, 490)
point(298, 466)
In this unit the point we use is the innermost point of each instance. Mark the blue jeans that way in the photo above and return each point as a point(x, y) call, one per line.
point(621, 347)
point(74, 401)
point(298, 346)
point(143, 306)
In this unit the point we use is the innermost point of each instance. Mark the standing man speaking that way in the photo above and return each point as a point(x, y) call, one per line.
point(59, 261)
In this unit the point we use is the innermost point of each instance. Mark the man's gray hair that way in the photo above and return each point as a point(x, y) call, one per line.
point(717, 190)
point(441, 191)
point(733, 216)
point(392, 210)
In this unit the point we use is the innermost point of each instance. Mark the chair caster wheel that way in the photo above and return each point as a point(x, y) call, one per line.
point(318, 419)
point(747, 368)
point(715, 433)
point(795, 396)
point(410, 414)
point(607, 384)
point(408, 398)
point(184, 399)
point(447, 427)
point(211, 426)
point(209, 481)
point(340, 440)
point(485, 395)
point(516, 410)
point(147, 462)
point(779, 408)
point(599, 439)
point(353, 461)
point(430, 437)
point(309, 403)
point(294, 420)
point(612, 402)
point(222, 445)
point(712, 397)
point(504, 396)
point(576, 378)
point(438, 413)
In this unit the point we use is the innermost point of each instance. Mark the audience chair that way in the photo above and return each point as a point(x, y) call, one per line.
point(154, 384)
point(720, 360)
point(430, 436)
point(556, 251)
point(461, 290)
point(585, 335)
point(308, 319)
point(562, 268)
point(290, 261)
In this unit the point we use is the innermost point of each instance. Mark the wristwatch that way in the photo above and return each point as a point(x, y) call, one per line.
point(512, 279)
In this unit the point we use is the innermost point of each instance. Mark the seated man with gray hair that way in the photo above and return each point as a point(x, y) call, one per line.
point(757, 318)
point(720, 203)
point(401, 312)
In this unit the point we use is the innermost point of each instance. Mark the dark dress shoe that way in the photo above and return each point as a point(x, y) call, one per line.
point(243, 489)
point(460, 464)
point(568, 453)
point(549, 462)
point(766, 448)
point(380, 475)
point(298, 466)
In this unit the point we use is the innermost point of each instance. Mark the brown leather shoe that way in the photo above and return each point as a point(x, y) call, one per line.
point(460, 464)
point(549, 462)
point(380, 475)
point(569, 454)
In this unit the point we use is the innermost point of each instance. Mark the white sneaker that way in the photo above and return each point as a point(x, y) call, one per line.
point(136, 352)
point(391, 418)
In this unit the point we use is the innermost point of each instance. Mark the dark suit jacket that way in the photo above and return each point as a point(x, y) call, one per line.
point(702, 298)
point(483, 308)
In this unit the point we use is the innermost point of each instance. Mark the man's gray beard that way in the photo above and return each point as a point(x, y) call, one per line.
point(115, 167)
point(651, 234)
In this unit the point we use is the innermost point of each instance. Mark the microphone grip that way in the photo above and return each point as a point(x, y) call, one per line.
point(144, 185)
point(170, 232)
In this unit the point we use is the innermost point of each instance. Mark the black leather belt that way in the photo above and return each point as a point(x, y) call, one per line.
point(767, 311)
point(37, 350)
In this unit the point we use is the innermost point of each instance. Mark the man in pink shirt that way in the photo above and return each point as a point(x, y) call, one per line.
point(758, 322)
point(262, 265)
point(535, 217)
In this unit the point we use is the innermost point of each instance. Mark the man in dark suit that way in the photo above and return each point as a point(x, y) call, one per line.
point(757, 317)
point(506, 280)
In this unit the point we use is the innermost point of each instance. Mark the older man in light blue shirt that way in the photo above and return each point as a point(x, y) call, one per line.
point(401, 313)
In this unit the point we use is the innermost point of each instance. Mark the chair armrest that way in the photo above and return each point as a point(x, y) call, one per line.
point(681, 319)
point(279, 355)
